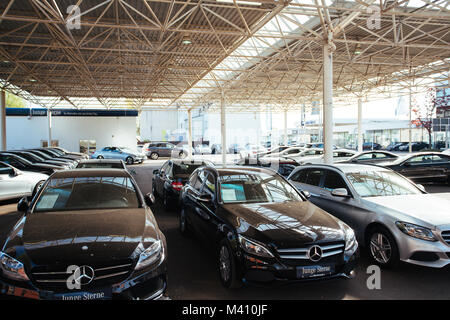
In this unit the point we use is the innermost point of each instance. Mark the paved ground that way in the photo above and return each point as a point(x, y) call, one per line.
point(193, 275)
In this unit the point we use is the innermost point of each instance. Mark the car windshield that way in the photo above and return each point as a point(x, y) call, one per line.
point(84, 193)
point(253, 187)
point(185, 168)
point(381, 183)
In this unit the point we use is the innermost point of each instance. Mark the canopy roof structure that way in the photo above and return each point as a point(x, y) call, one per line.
point(256, 53)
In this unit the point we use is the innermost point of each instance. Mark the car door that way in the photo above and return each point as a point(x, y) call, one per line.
point(207, 219)
point(419, 168)
point(161, 178)
point(191, 203)
point(343, 208)
point(12, 184)
point(441, 167)
point(106, 153)
point(309, 180)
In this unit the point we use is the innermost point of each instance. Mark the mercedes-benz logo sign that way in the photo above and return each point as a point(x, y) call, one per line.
point(315, 253)
point(84, 275)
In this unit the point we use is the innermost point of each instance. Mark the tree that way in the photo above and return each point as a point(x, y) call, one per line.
point(13, 101)
point(424, 114)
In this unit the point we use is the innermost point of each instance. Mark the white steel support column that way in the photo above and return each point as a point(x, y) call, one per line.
point(49, 121)
point(223, 130)
point(360, 136)
point(285, 129)
point(328, 103)
point(3, 119)
point(410, 120)
point(189, 132)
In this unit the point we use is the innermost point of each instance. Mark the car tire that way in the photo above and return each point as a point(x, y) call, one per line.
point(183, 224)
point(182, 155)
point(227, 267)
point(129, 161)
point(154, 156)
point(100, 157)
point(382, 247)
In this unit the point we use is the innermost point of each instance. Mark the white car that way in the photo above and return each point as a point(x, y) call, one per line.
point(338, 155)
point(203, 149)
point(289, 152)
point(446, 151)
point(15, 183)
point(307, 153)
point(251, 151)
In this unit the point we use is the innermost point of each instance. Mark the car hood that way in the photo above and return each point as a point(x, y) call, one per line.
point(286, 224)
point(427, 208)
point(36, 176)
point(59, 237)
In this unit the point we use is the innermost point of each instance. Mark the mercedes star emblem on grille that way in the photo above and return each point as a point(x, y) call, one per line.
point(84, 275)
point(315, 253)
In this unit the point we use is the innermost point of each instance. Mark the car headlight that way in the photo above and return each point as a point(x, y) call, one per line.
point(252, 247)
point(416, 231)
point(152, 254)
point(11, 268)
point(350, 241)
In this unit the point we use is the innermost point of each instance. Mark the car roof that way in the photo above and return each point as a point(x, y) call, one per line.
point(82, 173)
point(233, 169)
point(346, 167)
point(100, 161)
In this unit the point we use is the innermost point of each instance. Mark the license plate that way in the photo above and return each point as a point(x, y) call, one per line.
point(84, 296)
point(315, 271)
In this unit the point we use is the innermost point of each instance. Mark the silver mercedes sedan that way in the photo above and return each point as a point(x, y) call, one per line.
point(393, 217)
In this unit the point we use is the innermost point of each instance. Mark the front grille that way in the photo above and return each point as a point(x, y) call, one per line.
point(446, 236)
point(105, 274)
point(300, 254)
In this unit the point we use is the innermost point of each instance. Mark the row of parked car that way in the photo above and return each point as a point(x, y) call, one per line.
point(264, 227)
point(309, 224)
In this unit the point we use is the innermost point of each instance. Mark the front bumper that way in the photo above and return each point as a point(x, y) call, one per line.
point(147, 285)
point(278, 272)
point(423, 253)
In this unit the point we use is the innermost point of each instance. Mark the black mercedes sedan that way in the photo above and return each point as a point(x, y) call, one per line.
point(171, 177)
point(87, 234)
point(263, 229)
point(423, 167)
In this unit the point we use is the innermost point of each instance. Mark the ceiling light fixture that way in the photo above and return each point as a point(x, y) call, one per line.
point(186, 40)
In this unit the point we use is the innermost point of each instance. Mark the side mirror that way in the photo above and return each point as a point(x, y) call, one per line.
point(14, 172)
point(23, 205)
point(149, 199)
point(339, 192)
point(421, 187)
point(306, 194)
point(155, 172)
point(206, 197)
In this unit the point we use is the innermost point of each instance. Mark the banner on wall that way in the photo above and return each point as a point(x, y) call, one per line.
point(26, 112)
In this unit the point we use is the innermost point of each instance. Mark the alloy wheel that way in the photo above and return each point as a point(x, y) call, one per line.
point(225, 264)
point(380, 248)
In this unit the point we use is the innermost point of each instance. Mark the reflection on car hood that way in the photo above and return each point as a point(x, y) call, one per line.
point(286, 223)
point(58, 237)
point(425, 207)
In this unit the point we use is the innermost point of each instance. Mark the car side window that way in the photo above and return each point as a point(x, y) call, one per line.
point(200, 179)
point(314, 177)
point(4, 169)
point(210, 185)
point(169, 170)
point(420, 159)
point(333, 180)
point(440, 159)
point(300, 176)
point(193, 179)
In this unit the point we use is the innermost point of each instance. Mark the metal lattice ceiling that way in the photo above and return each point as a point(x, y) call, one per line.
point(256, 52)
